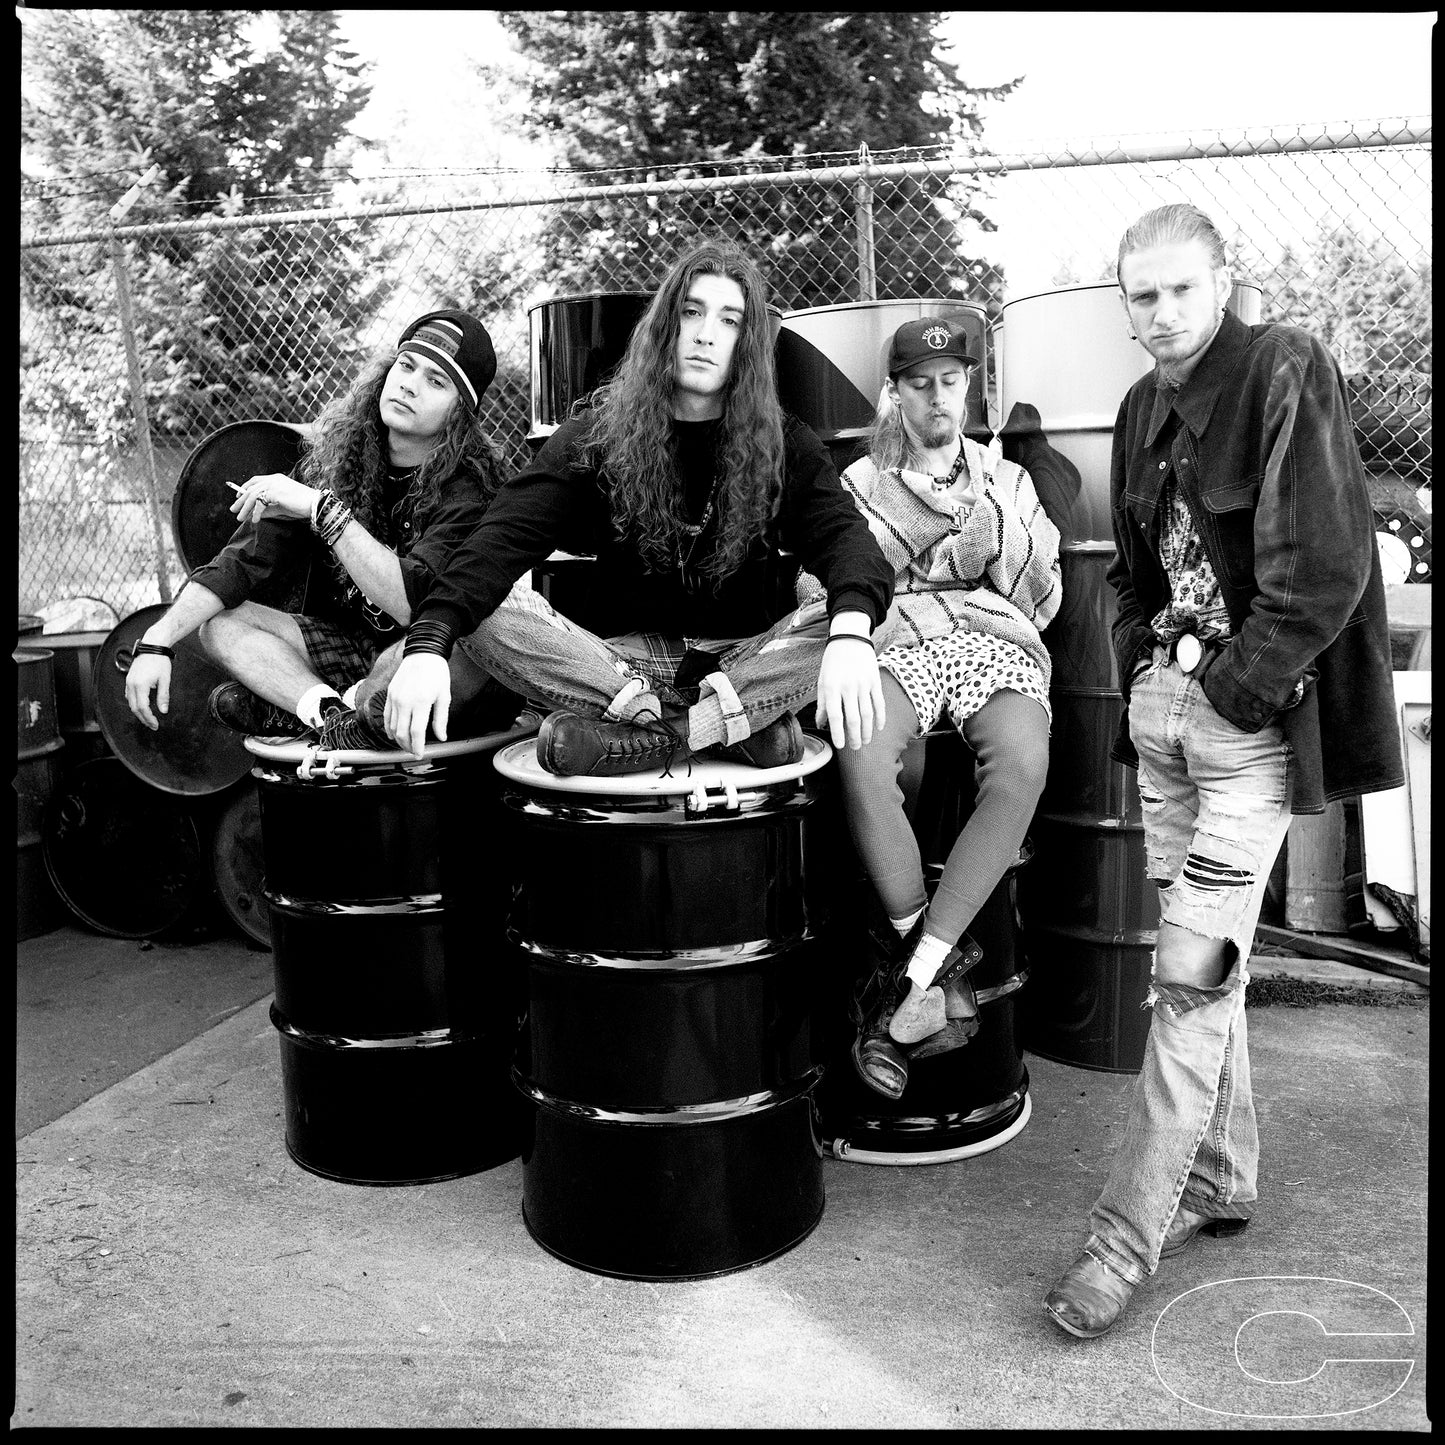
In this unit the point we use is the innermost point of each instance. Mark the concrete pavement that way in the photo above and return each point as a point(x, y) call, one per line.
point(176, 1267)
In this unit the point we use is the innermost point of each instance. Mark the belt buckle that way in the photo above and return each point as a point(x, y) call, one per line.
point(1187, 652)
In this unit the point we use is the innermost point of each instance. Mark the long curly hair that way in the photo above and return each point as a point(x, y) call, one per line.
point(630, 439)
point(348, 454)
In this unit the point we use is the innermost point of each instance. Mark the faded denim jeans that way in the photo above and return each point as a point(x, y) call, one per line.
point(1216, 805)
point(533, 649)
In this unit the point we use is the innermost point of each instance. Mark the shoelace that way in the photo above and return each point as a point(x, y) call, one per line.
point(647, 736)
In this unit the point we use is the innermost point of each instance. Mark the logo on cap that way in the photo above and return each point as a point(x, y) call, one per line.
point(936, 337)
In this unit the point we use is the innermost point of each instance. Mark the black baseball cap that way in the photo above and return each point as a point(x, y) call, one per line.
point(924, 339)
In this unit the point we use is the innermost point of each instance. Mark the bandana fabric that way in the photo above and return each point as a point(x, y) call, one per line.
point(460, 345)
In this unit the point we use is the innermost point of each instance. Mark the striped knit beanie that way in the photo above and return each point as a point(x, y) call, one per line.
point(457, 343)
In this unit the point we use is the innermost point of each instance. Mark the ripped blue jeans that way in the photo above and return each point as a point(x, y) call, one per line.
point(1216, 805)
point(743, 683)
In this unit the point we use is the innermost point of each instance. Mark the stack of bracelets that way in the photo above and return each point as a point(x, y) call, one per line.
point(329, 517)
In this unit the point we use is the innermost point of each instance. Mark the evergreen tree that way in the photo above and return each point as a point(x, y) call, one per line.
point(235, 107)
point(628, 92)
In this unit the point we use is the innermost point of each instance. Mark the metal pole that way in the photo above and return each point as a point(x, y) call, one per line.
point(863, 222)
point(136, 385)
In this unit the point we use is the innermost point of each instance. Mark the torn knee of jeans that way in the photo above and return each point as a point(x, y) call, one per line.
point(1182, 997)
point(1214, 874)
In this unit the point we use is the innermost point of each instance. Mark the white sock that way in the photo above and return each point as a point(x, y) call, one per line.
point(927, 956)
point(904, 924)
point(309, 708)
point(349, 696)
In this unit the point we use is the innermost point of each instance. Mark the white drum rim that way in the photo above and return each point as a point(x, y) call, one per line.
point(944, 1155)
point(518, 763)
point(295, 750)
point(890, 303)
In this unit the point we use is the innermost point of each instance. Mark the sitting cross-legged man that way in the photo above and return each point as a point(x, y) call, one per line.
point(686, 481)
point(399, 473)
point(976, 577)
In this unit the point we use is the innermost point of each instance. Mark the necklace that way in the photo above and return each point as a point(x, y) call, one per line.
point(942, 484)
point(694, 530)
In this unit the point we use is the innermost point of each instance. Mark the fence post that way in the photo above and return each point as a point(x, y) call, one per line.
point(863, 226)
point(137, 387)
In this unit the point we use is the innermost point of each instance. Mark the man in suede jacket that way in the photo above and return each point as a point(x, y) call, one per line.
point(1260, 441)
point(1252, 645)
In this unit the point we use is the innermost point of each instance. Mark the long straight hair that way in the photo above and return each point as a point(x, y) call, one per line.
point(631, 437)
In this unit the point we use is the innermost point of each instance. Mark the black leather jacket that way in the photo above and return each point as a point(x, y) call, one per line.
point(1260, 440)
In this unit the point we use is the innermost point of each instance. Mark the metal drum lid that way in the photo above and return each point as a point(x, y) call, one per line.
point(238, 865)
point(191, 753)
point(311, 762)
point(201, 518)
point(127, 861)
point(701, 780)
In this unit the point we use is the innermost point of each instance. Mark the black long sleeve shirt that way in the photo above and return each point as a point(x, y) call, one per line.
point(558, 504)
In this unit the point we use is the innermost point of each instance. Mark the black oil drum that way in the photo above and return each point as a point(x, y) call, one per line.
point(201, 518)
point(190, 754)
point(128, 861)
point(398, 1003)
point(669, 926)
point(39, 754)
point(973, 1099)
point(833, 361)
point(575, 343)
point(75, 655)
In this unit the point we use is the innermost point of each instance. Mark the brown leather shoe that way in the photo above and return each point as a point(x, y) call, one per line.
point(1088, 1298)
point(1186, 1224)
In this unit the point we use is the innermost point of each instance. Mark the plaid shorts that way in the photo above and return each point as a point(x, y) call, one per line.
point(341, 655)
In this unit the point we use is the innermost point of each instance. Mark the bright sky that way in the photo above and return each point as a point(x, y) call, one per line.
point(1087, 74)
point(1096, 75)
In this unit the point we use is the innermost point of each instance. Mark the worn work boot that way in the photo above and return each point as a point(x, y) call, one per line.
point(571, 745)
point(779, 745)
point(345, 728)
point(234, 705)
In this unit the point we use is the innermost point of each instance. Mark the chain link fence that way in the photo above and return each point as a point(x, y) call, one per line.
point(139, 341)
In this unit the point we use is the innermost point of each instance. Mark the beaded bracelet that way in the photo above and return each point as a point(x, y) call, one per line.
point(428, 634)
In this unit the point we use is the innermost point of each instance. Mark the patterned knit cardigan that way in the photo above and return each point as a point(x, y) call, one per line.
point(998, 573)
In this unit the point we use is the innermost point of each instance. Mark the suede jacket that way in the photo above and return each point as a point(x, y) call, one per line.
point(1260, 441)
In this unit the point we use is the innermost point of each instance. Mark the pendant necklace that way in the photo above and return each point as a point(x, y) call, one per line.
point(694, 530)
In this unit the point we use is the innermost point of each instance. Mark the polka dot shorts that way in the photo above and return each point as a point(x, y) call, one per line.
point(960, 673)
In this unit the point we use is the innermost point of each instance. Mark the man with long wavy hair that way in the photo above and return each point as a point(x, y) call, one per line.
point(399, 473)
point(685, 479)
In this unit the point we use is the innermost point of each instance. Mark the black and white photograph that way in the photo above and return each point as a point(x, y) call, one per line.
point(723, 720)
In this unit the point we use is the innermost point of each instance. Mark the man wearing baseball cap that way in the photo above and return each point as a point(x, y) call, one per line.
point(976, 577)
point(399, 471)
